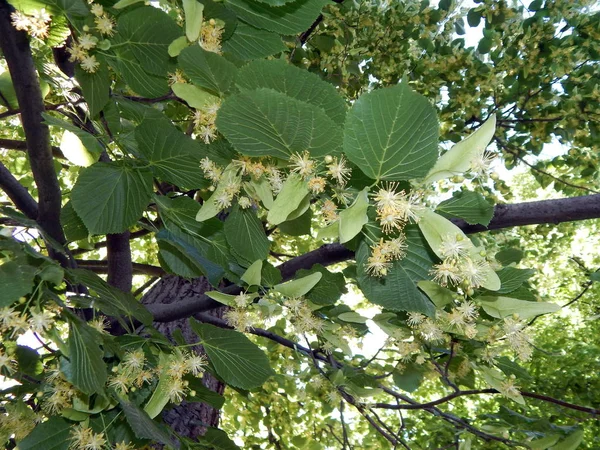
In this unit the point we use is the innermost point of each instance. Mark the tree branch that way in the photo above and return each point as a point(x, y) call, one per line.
point(11, 144)
point(120, 267)
point(102, 267)
point(17, 193)
point(17, 53)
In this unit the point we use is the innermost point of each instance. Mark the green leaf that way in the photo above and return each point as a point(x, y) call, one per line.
point(458, 159)
point(508, 256)
point(193, 11)
point(210, 208)
point(352, 219)
point(511, 279)
point(207, 69)
point(410, 378)
point(95, 87)
point(109, 299)
point(262, 189)
point(397, 291)
point(217, 439)
point(545, 442)
point(147, 32)
point(299, 226)
point(187, 251)
point(177, 46)
point(473, 17)
point(252, 275)
point(293, 192)
point(246, 235)
point(439, 295)
point(249, 43)
point(294, 82)
point(53, 434)
point(136, 77)
point(330, 287)
point(125, 3)
point(225, 299)
point(160, 395)
point(88, 370)
point(472, 207)
point(9, 96)
point(143, 426)
point(299, 286)
point(194, 96)
point(89, 141)
point(292, 18)
point(495, 378)
point(436, 228)
point(28, 360)
point(110, 197)
point(571, 442)
point(265, 122)
point(352, 317)
point(173, 156)
point(500, 307)
point(75, 151)
point(238, 361)
point(392, 134)
point(16, 280)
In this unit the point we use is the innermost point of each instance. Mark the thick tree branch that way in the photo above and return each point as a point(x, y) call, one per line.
point(120, 267)
point(102, 244)
point(505, 216)
point(17, 193)
point(17, 53)
point(11, 144)
point(137, 268)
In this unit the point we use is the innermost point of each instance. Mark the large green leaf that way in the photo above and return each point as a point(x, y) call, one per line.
point(110, 300)
point(246, 235)
point(217, 440)
point(293, 192)
point(140, 81)
point(512, 278)
point(143, 426)
point(73, 227)
point(501, 307)
point(291, 18)
point(95, 87)
point(110, 197)
point(398, 290)
point(251, 43)
point(88, 370)
point(16, 280)
point(193, 11)
point(295, 82)
point(469, 206)
point(188, 256)
point(392, 134)
point(265, 122)
point(54, 434)
point(147, 32)
point(173, 156)
point(238, 361)
point(458, 159)
point(207, 69)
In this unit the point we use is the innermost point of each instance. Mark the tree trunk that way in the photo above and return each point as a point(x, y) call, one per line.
point(187, 419)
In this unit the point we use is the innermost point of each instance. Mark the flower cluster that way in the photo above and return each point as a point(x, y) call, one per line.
point(130, 372)
point(36, 24)
point(204, 122)
point(461, 264)
point(383, 254)
point(83, 438)
point(395, 209)
point(211, 35)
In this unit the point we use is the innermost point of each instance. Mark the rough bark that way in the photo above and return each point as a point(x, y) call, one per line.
point(187, 419)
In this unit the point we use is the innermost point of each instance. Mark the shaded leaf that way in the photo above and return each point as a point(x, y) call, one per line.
point(238, 361)
point(472, 207)
point(265, 122)
point(110, 197)
point(16, 280)
point(248, 43)
point(294, 82)
point(392, 134)
point(246, 235)
point(53, 434)
point(88, 370)
point(143, 426)
point(501, 307)
point(207, 69)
